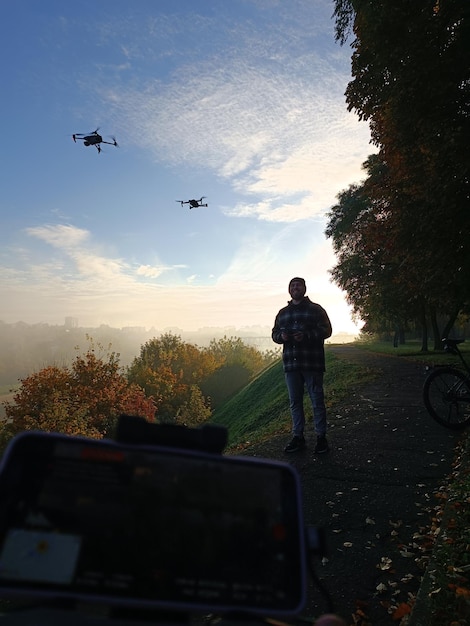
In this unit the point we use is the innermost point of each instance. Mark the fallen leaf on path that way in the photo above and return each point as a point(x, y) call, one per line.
point(407, 578)
point(385, 563)
point(406, 553)
point(402, 609)
point(463, 591)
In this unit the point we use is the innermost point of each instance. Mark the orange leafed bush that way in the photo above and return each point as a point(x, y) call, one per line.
point(85, 399)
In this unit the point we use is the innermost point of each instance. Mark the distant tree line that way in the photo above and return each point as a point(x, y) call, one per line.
point(26, 348)
point(401, 236)
point(170, 381)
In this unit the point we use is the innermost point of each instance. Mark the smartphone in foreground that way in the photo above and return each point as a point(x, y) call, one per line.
point(149, 527)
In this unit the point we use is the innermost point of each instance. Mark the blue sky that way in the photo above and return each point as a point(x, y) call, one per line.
point(241, 101)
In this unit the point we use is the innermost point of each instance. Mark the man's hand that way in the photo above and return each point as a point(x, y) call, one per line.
point(296, 335)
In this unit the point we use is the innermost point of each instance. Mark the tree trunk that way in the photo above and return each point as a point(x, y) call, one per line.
point(450, 323)
point(424, 326)
point(399, 336)
point(435, 329)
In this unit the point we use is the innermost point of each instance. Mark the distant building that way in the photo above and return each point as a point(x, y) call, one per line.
point(133, 329)
point(71, 322)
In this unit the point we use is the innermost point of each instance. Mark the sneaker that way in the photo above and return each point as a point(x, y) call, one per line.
point(322, 445)
point(296, 444)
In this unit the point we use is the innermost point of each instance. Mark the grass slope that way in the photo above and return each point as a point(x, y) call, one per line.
point(261, 409)
point(257, 411)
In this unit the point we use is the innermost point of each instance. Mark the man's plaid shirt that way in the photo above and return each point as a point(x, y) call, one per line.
point(313, 321)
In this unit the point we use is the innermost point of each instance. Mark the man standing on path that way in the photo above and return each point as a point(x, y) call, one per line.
point(302, 327)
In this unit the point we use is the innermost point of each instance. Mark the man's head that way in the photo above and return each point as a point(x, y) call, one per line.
point(297, 288)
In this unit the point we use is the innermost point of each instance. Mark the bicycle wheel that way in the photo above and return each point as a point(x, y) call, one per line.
point(446, 395)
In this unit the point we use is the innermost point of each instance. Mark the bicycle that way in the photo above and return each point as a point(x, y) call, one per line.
point(446, 391)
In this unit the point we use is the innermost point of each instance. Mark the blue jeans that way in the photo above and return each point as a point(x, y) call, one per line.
point(313, 381)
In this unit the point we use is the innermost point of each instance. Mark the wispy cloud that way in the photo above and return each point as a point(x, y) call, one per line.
point(269, 120)
point(149, 271)
point(64, 237)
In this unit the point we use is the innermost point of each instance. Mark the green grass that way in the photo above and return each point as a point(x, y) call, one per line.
point(257, 411)
point(261, 409)
point(412, 350)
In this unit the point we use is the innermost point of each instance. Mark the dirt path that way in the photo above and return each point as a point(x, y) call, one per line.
point(373, 493)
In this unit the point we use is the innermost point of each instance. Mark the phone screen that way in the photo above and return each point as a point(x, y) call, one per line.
point(150, 526)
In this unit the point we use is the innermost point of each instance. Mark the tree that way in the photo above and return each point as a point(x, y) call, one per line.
point(169, 369)
point(232, 350)
point(238, 364)
point(380, 271)
point(369, 267)
point(411, 82)
point(187, 381)
point(194, 409)
point(85, 399)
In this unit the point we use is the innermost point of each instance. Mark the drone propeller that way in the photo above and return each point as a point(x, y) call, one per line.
point(93, 132)
point(115, 143)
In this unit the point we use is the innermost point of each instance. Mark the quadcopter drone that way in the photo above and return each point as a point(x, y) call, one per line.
point(193, 203)
point(93, 139)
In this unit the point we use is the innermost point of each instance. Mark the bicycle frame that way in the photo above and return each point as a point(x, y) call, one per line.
point(451, 345)
point(446, 390)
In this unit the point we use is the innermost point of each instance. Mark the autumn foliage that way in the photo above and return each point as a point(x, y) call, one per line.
point(187, 382)
point(85, 399)
point(401, 236)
